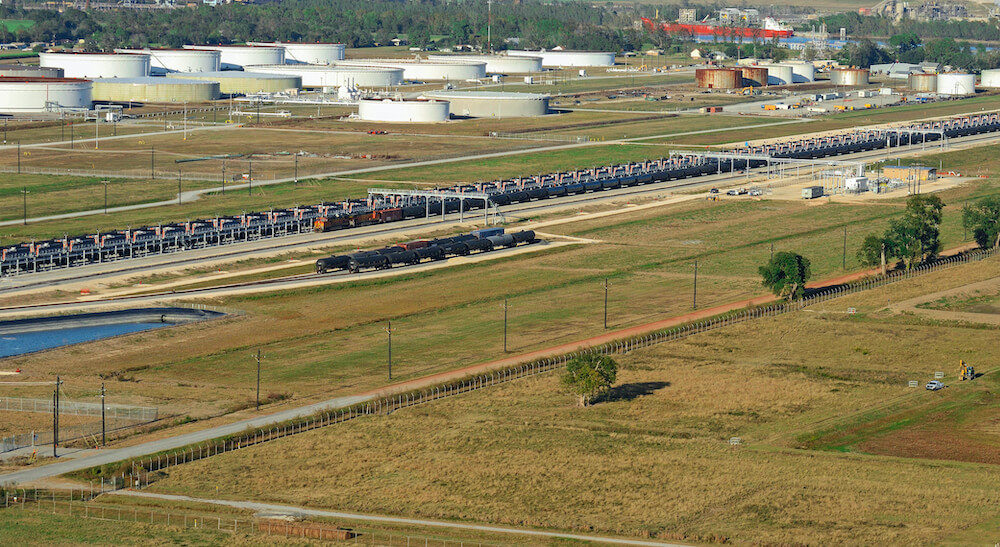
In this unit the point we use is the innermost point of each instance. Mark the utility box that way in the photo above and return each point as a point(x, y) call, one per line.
point(529, 80)
point(856, 184)
point(812, 192)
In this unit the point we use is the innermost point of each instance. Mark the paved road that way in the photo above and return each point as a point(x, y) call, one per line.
point(303, 511)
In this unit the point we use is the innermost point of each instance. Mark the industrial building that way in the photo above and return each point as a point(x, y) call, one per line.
point(567, 58)
point(718, 78)
point(849, 76)
point(493, 104)
point(308, 53)
point(155, 90)
point(31, 71)
point(909, 172)
point(317, 76)
point(403, 110)
point(97, 65)
point(26, 94)
point(232, 82)
point(497, 64)
point(237, 57)
point(956, 83)
point(421, 70)
point(163, 61)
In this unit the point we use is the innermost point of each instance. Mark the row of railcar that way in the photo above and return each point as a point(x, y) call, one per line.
point(168, 238)
point(415, 252)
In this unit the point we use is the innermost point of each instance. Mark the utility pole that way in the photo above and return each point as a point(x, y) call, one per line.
point(223, 175)
point(104, 439)
point(55, 419)
point(105, 183)
point(772, 251)
point(152, 163)
point(296, 176)
point(694, 303)
point(489, 25)
point(844, 262)
point(250, 178)
point(505, 308)
point(18, 157)
point(605, 303)
point(388, 330)
point(97, 132)
point(258, 356)
point(178, 186)
point(24, 192)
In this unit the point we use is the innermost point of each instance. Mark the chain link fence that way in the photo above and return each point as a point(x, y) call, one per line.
point(67, 433)
point(140, 472)
point(123, 412)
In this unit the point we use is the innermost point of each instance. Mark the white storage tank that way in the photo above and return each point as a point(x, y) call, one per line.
point(308, 53)
point(236, 57)
point(163, 61)
point(421, 70)
point(497, 64)
point(990, 78)
point(850, 76)
point(317, 76)
point(31, 71)
point(26, 94)
point(237, 82)
point(802, 72)
point(155, 90)
point(779, 74)
point(493, 104)
point(403, 110)
point(97, 65)
point(567, 58)
point(956, 83)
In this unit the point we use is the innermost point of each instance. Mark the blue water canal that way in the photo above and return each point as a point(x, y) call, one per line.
point(27, 342)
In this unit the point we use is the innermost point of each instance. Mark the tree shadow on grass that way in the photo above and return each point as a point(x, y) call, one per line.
point(628, 392)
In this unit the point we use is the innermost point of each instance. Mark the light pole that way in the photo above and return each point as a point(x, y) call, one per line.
point(178, 186)
point(152, 163)
point(55, 419)
point(18, 157)
point(694, 303)
point(104, 439)
point(24, 193)
point(844, 261)
point(505, 308)
point(605, 303)
point(250, 178)
point(223, 176)
point(296, 176)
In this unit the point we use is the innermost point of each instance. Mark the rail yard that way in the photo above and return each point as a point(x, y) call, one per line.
point(253, 286)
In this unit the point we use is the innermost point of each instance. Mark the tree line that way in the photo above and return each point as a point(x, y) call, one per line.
point(910, 48)
point(358, 23)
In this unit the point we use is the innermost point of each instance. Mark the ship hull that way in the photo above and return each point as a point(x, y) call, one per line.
point(712, 30)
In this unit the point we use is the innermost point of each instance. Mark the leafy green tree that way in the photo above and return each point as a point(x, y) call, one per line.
point(983, 219)
point(786, 274)
point(872, 252)
point(589, 376)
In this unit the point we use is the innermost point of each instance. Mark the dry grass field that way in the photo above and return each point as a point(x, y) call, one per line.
point(655, 459)
point(330, 340)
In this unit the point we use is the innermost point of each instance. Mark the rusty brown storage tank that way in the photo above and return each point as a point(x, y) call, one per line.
point(717, 78)
point(755, 76)
point(926, 83)
point(849, 76)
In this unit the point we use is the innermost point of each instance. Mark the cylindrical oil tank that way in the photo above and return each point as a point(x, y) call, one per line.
point(180, 60)
point(421, 70)
point(923, 82)
point(155, 90)
point(497, 64)
point(97, 65)
point(802, 72)
point(309, 53)
point(566, 58)
point(31, 71)
point(990, 78)
point(403, 110)
point(956, 83)
point(319, 76)
point(236, 57)
point(25, 94)
point(234, 82)
point(779, 74)
point(492, 104)
point(755, 76)
point(718, 78)
point(849, 76)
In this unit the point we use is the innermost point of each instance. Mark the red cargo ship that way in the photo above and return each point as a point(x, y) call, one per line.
point(769, 29)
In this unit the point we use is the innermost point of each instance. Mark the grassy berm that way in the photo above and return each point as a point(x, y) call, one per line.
point(654, 458)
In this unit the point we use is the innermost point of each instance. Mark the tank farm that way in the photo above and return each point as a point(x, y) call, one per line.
point(73, 251)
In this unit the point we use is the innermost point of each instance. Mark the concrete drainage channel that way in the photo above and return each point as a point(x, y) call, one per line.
point(140, 472)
